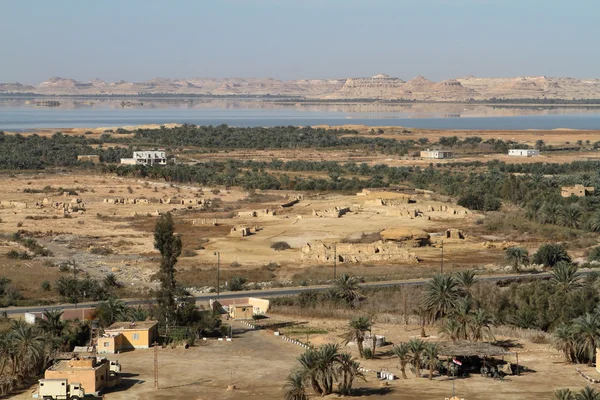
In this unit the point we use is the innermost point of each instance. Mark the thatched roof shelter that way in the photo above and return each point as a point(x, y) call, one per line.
point(471, 349)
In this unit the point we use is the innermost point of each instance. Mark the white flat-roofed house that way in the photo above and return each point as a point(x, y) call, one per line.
point(523, 152)
point(148, 157)
point(437, 154)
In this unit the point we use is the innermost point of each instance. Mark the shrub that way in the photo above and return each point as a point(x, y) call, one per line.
point(594, 254)
point(45, 285)
point(19, 224)
point(18, 255)
point(189, 253)
point(236, 284)
point(235, 264)
point(550, 254)
point(101, 250)
point(278, 246)
point(368, 353)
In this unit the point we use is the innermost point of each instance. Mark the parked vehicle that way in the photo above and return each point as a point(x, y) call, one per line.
point(60, 389)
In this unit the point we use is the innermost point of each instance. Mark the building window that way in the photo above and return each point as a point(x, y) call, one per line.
point(136, 336)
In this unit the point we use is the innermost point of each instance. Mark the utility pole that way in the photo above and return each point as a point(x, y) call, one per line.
point(334, 261)
point(442, 263)
point(218, 254)
point(155, 365)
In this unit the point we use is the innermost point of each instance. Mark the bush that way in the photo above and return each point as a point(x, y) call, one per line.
point(235, 264)
point(236, 284)
point(278, 246)
point(18, 255)
point(550, 254)
point(479, 202)
point(45, 285)
point(101, 250)
point(368, 353)
point(19, 224)
point(594, 254)
point(189, 253)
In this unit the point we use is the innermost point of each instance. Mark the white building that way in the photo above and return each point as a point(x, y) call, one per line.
point(523, 152)
point(146, 158)
point(436, 154)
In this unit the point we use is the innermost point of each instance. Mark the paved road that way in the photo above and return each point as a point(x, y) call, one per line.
point(289, 291)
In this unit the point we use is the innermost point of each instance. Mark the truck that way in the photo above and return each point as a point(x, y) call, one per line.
point(60, 389)
point(115, 367)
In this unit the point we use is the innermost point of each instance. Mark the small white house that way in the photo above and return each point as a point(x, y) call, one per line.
point(437, 154)
point(523, 152)
point(146, 158)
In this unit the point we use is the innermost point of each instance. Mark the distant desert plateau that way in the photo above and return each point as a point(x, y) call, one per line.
point(378, 87)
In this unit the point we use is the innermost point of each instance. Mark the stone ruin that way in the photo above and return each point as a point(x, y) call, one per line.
point(454, 234)
point(406, 212)
point(185, 202)
point(357, 252)
point(445, 208)
point(205, 221)
point(126, 201)
point(406, 237)
point(397, 201)
point(243, 231)
point(257, 213)
point(13, 204)
point(335, 212)
point(74, 205)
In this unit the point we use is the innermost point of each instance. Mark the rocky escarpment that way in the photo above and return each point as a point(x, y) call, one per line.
point(378, 87)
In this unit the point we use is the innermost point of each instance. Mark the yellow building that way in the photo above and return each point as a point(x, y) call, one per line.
point(127, 336)
point(93, 376)
point(241, 307)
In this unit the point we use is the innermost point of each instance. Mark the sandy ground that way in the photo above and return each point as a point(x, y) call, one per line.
point(257, 363)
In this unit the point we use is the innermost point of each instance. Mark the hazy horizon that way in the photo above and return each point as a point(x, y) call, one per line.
point(297, 39)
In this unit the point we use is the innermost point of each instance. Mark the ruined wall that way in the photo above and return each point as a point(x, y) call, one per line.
point(357, 252)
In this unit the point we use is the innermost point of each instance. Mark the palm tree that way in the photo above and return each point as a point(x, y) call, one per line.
point(294, 387)
point(110, 280)
point(550, 254)
point(52, 323)
point(466, 280)
point(462, 315)
point(587, 393)
point(111, 311)
point(27, 348)
point(516, 257)
point(357, 328)
point(570, 216)
point(326, 358)
point(347, 371)
point(402, 351)
point(564, 340)
point(416, 348)
point(587, 333)
point(441, 294)
point(431, 360)
point(310, 372)
point(138, 313)
point(565, 276)
point(481, 325)
point(549, 212)
point(564, 394)
point(5, 351)
point(450, 328)
point(525, 318)
point(347, 288)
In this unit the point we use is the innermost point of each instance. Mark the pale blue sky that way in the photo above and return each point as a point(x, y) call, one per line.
point(136, 40)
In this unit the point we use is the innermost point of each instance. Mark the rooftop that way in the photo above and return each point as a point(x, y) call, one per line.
point(124, 326)
point(85, 363)
point(467, 349)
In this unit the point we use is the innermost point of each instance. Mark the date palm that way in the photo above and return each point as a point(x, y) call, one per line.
point(52, 323)
point(450, 328)
point(357, 329)
point(481, 325)
point(516, 257)
point(326, 358)
point(138, 313)
point(310, 371)
point(431, 358)
point(111, 311)
point(27, 348)
point(294, 387)
point(587, 333)
point(564, 394)
point(565, 276)
point(347, 371)
point(347, 288)
point(570, 216)
point(466, 280)
point(564, 340)
point(416, 348)
point(441, 294)
point(402, 351)
point(588, 393)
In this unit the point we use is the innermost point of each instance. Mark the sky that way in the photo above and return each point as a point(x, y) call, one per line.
point(137, 40)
